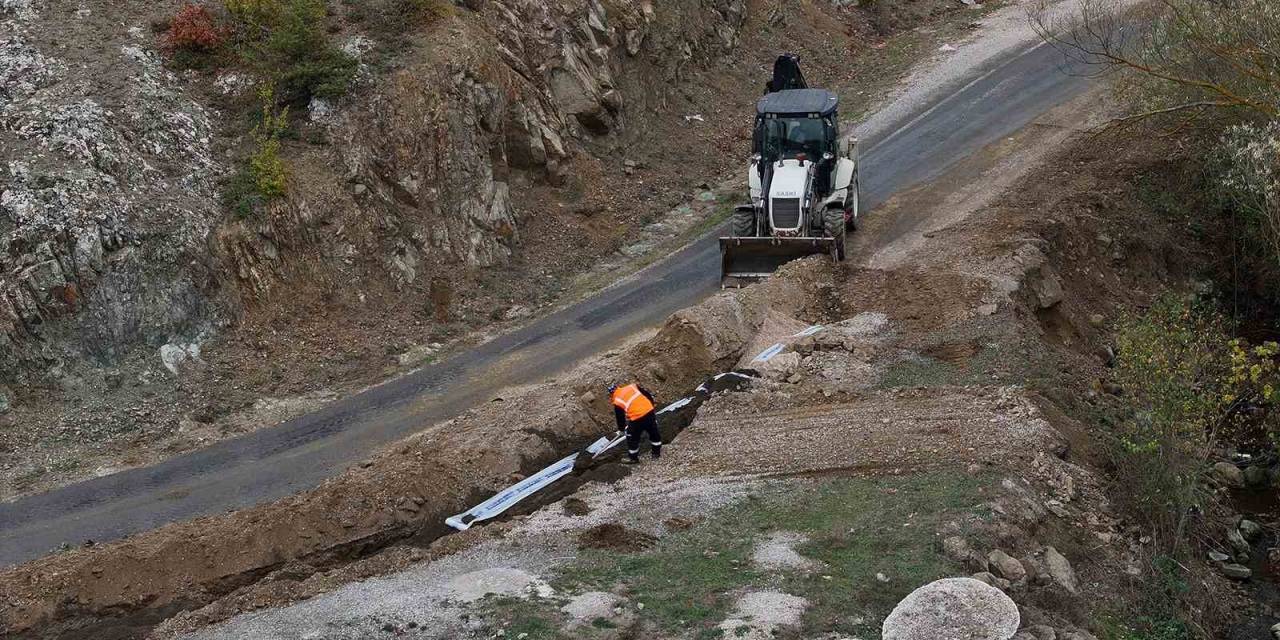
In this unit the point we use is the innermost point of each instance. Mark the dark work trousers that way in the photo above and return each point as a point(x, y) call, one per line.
point(647, 424)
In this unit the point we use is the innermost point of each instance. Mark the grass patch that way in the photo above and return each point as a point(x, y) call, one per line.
point(929, 371)
point(689, 580)
point(532, 619)
point(919, 371)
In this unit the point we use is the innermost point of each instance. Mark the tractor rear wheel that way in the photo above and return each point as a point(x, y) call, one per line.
point(744, 223)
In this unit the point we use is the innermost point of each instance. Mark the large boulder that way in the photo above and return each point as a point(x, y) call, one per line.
point(958, 608)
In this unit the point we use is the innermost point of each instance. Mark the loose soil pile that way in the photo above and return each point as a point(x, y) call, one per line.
point(614, 536)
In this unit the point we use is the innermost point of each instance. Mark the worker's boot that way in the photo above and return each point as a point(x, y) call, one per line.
point(632, 458)
point(655, 450)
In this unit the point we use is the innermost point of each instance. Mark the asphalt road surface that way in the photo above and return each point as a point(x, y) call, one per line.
point(297, 455)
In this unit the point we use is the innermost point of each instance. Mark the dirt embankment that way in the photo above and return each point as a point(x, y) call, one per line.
point(404, 492)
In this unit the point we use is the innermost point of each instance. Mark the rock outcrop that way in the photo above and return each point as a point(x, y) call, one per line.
point(107, 195)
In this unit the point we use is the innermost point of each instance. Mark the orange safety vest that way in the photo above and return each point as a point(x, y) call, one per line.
point(632, 402)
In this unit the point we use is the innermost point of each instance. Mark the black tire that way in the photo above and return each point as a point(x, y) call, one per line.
point(744, 223)
point(836, 228)
point(855, 204)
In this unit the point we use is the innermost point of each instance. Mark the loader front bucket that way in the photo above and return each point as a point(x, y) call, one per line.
point(747, 260)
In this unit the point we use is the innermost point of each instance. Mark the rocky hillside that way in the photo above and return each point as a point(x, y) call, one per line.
point(113, 233)
point(475, 164)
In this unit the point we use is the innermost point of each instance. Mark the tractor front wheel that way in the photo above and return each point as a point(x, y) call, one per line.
point(837, 229)
point(744, 223)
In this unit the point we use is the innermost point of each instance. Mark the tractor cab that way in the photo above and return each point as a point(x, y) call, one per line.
point(798, 124)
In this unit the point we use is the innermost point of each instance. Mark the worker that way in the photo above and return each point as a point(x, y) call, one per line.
point(633, 407)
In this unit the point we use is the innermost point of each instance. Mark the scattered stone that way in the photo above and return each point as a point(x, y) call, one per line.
point(1229, 474)
point(1236, 571)
point(174, 356)
point(1097, 319)
point(779, 367)
point(591, 605)
point(882, 577)
point(1256, 476)
point(988, 309)
point(1042, 632)
point(1250, 530)
point(1218, 556)
point(1006, 566)
point(1047, 289)
point(957, 549)
point(319, 109)
point(989, 578)
point(1061, 571)
point(6, 400)
point(777, 553)
point(758, 615)
point(1239, 545)
point(1076, 634)
point(953, 608)
point(1275, 630)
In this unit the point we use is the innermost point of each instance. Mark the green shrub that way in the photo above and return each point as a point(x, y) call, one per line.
point(1192, 387)
point(287, 42)
point(263, 177)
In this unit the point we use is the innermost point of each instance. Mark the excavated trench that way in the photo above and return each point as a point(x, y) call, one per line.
point(122, 622)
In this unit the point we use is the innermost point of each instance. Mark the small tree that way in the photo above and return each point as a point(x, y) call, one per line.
point(1185, 56)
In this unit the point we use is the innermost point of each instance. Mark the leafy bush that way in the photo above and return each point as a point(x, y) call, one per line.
point(1192, 386)
point(393, 19)
point(263, 177)
point(193, 29)
point(1247, 173)
point(192, 37)
point(429, 10)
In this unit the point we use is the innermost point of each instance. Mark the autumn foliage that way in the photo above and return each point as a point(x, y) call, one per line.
point(194, 30)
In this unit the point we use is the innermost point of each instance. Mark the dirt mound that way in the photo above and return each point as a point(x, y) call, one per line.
point(614, 536)
point(576, 507)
